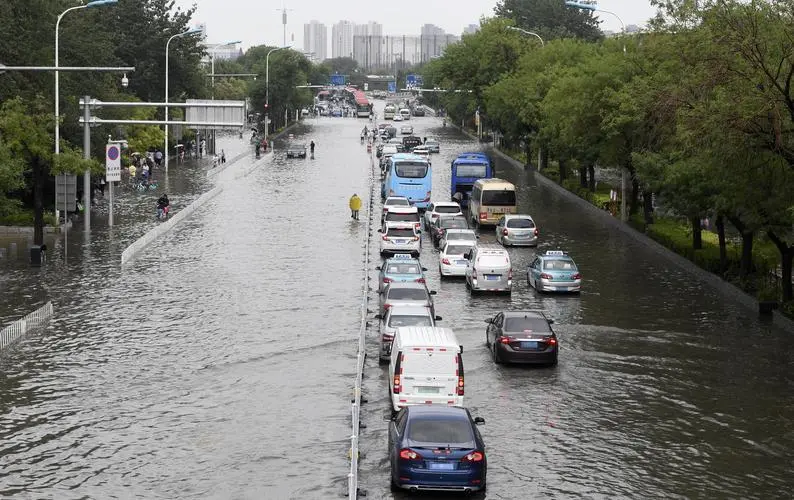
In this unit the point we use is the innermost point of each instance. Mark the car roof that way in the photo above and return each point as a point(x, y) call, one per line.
point(446, 204)
point(400, 225)
point(518, 216)
point(461, 230)
point(426, 336)
point(401, 209)
point(523, 314)
point(406, 284)
point(406, 310)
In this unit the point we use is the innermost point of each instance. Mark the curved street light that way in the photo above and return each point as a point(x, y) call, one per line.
point(526, 32)
point(191, 31)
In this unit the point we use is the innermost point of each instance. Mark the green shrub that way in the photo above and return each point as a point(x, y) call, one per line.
point(787, 309)
point(25, 219)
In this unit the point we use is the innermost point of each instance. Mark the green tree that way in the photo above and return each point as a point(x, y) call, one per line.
point(550, 18)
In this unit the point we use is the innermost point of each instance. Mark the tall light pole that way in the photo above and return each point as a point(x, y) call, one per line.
point(526, 32)
point(267, 86)
point(191, 31)
point(212, 61)
point(592, 5)
point(87, 175)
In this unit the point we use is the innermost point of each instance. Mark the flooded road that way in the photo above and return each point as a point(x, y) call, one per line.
point(220, 363)
point(663, 389)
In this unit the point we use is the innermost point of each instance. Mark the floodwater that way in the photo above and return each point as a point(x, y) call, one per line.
point(220, 363)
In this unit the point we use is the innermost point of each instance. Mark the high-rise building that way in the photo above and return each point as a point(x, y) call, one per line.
point(342, 39)
point(368, 45)
point(433, 41)
point(471, 29)
point(315, 41)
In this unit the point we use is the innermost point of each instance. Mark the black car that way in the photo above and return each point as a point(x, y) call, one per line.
point(435, 447)
point(441, 224)
point(522, 337)
point(296, 150)
point(411, 141)
point(419, 111)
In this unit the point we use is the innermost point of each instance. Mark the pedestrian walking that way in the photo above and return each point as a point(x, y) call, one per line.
point(355, 206)
point(158, 158)
point(223, 156)
point(202, 148)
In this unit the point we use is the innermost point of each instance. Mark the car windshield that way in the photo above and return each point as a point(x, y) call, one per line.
point(448, 431)
point(397, 217)
point(394, 232)
point(298, 146)
point(402, 269)
point(448, 209)
point(559, 265)
point(521, 223)
point(411, 170)
point(397, 321)
point(398, 202)
point(408, 294)
point(539, 325)
point(452, 223)
point(499, 198)
point(458, 249)
point(477, 171)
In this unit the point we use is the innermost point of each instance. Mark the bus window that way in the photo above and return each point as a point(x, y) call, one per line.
point(478, 171)
point(499, 198)
point(411, 170)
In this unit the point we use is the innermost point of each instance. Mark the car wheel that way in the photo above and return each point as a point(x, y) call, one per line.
point(495, 355)
point(487, 340)
point(554, 363)
point(394, 486)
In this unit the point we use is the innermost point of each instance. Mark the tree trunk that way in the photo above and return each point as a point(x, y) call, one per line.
point(583, 176)
point(786, 258)
point(563, 168)
point(38, 203)
point(647, 207)
point(697, 236)
point(544, 159)
point(746, 263)
point(720, 222)
point(591, 174)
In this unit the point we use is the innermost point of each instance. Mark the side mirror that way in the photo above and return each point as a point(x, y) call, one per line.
point(424, 269)
point(433, 292)
point(489, 320)
point(380, 230)
point(378, 316)
point(439, 318)
point(479, 420)
point(377, 267)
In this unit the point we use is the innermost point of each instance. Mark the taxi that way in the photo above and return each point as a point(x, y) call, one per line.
point(399, 237)
point(402, 267)
point(554, 271)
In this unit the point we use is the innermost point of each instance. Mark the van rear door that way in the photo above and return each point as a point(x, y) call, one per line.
point(430, 375)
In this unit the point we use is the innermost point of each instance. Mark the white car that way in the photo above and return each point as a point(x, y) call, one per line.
point(441, 208)
point(406, 130)
point(459, 236)
point(398, 118)
point(423, 152)
point(395, 201)
point(399, 237)
point(451, 260)
point(402, 315)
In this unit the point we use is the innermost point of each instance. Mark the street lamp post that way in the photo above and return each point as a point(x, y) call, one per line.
point(592, 5)
point(267, 86)
point(87, 175)
point(526, 32)
point(191, 31)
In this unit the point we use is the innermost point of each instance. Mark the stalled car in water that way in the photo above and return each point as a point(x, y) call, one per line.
point(451, 258)
point(443, 222)
point(399, 316)
point(419, 111)
point(468, 236)
point(439, 208)
point(489, 269)
point(296, 150)
point(522, 337)
point(517, 230)
point(434, 447)
point(400, 268)
point(399, 237)
point(433, 145)
point(407, 293)
point(406, 130)
point(554, 271)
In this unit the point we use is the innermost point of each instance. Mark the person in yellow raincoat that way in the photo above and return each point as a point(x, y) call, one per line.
point(355, 206)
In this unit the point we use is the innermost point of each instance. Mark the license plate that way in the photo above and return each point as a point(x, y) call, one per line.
point(400, 242)
point(441, 466)
point(521, 236)
point(427, 390)
point(461, 262)
point(529, 345)
point(491, 277)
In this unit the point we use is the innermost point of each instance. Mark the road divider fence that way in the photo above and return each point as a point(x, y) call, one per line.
point(355, 407)
point(37, 319)
point(131, 251)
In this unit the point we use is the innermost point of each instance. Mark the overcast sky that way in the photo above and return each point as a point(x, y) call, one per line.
point(257, 22)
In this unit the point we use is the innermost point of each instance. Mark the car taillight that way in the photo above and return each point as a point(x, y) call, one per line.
point(397, 387)
point(417, 225)
point(510, 274)
point(386, 338)
point(536, 231)
point(545, 276)
point(475, 456)
point(416, 238)
point(460, 385)
point(505, 340)
point(385, 238)
point(420, 280)
point(551, 340)
point(577, 276)
point(409, 454)
point(483, 215)
point(446, 261)
point(387, 280)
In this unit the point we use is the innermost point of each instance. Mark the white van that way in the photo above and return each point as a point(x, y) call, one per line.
point(426, 367)
point(405, 113)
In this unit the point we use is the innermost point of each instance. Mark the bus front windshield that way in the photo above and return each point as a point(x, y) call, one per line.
point(476, 171)
point(411, 170)
point(499, 198)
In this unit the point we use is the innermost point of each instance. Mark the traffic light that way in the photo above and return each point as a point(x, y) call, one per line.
point(267, 108)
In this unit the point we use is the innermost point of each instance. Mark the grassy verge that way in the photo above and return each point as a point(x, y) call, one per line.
point(677, 236)
point(24, 218)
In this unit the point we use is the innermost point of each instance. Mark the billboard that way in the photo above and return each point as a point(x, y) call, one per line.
point(392, 87)
point(337, 80)
point(219, 112)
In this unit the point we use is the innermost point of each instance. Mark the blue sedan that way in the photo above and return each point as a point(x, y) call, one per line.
point(439, 448)
point(400, 268)
point(554, 271)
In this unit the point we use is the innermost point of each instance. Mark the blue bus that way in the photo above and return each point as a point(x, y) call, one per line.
point(467, 168)
point(408, 175)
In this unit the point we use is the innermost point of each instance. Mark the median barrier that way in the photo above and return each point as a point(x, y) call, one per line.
point(131, 251)
point(17, 329)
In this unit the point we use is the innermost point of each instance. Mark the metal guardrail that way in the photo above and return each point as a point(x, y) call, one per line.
point(355, 407)
point(17, 329)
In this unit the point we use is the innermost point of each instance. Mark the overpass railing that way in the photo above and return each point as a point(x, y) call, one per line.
point(17, 329)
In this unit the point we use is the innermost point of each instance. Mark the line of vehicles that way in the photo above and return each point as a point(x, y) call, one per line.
point(434, 441)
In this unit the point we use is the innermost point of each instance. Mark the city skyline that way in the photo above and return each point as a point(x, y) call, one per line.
point(263, 25)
